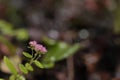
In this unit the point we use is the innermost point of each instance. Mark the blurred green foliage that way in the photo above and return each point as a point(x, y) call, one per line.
point(58, 51)
point(6, 28)
point(116, 14)
point(9, 30)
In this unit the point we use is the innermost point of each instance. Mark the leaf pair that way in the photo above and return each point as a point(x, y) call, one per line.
point(37, 63)
point(25, 68)
point(17, 77)
point(28, 67)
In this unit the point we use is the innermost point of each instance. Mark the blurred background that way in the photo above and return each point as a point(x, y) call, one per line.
point(82, 37)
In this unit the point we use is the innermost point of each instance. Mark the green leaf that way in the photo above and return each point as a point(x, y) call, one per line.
point(23, 69)
point(27, 55)
point(48, 64)
point(38, 64)
point(68, 52)
point(54, 51)
point(1, 79)
point(20, 77)
point(10, 65)
point(60, 51)
point(28, 67)
point(12, 77)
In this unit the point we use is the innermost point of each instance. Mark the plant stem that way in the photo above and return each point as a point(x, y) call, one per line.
point(70, 68)
point(31, 61)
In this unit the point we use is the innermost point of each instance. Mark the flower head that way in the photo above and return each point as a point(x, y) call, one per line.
point(43, 50)
point(40, 48)
point(37, 47)
point(32, 43)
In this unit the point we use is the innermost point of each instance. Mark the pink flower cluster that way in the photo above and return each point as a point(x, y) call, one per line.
point(37, 47)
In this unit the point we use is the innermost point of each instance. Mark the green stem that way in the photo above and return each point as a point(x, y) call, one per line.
point(32, 52)
point(38, 57)
point(31, 61)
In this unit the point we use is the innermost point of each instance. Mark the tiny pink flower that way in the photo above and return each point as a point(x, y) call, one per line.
point(32, 43)
point(43, 50)
point(40, 48)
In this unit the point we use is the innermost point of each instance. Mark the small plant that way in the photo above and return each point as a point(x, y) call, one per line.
point(36, 51)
